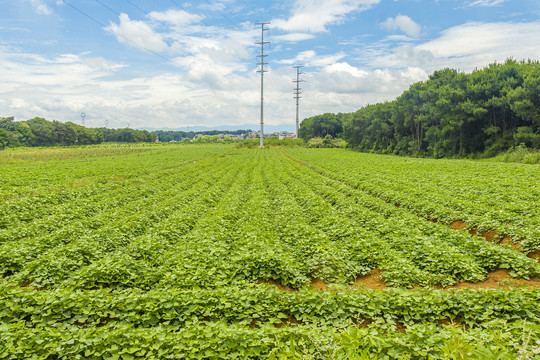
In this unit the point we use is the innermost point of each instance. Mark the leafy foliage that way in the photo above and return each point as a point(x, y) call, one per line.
point(167, 251)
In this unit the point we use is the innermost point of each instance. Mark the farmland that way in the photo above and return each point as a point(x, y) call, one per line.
point(208, 251)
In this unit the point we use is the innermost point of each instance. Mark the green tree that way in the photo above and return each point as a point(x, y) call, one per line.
point(43, 131)
point(320, 126)
point(65, 133)
point(6, 139)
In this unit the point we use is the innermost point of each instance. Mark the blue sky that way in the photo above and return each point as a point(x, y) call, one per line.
point(171, 63)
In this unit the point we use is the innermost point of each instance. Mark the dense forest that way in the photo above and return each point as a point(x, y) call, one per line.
point(41, 132)
point(451, 114)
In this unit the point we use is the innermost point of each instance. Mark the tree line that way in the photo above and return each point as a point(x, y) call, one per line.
point(179, 135)
point(41, 132)
point(451, 114)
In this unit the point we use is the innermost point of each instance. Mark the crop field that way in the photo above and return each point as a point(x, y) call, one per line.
point(212, 252)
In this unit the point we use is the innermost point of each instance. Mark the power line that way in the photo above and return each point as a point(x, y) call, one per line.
point(137, 24)
point(189, 12)
point(105, 6)
point(114, 32)
point(262, 71)
point(146, 13)
point(222, 14)
point(229, 11)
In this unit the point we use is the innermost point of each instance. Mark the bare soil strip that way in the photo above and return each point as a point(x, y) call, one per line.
point(498, 279)
point(373, 280)
point(319, 285)
point(492, 236)
point(275, 283)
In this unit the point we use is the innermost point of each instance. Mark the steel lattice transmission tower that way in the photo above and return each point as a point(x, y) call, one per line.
point(262, 71)
point(297, 92)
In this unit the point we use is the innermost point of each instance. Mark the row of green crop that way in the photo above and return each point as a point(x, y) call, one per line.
point(257, 305)
point(42, 181)
point(104, 229)
point(255, 215)
point(58, 207)
point(165, 264)
point(218, 340)
point(104, 252)
point(411, 250)
point(246, 323)
point(487, 196)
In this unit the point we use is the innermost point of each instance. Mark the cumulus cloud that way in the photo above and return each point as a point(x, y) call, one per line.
point(343, 78)
point(342, 87)
point(402, 23)
point(40, 7)
point(137, 33)
point(316, 15)
point(477, 44)
point(465, 47)
point(61, 87)
point(344, 67)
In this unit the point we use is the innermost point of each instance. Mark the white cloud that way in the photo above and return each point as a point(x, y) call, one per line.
point(315, 15)
point(402, 23)
point(477, 44)
point(399, 38)
point(484, 2)
point(344, 67)
point(325, 60)
point(40, 7)
point(310, 58)
point(301, 57)
point(414, 74)
point(464, 47)
point(342, 87)
point(175, 17)
point(293, 37)
point(137, 33)
point(343, 78)
point(208, 91)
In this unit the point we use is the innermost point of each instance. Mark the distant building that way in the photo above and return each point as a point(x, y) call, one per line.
point(287, 135)
point(237, 137)
point(277, 134)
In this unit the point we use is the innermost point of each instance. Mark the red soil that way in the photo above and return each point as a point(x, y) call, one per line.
point(499, 279)
point(373, 280)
